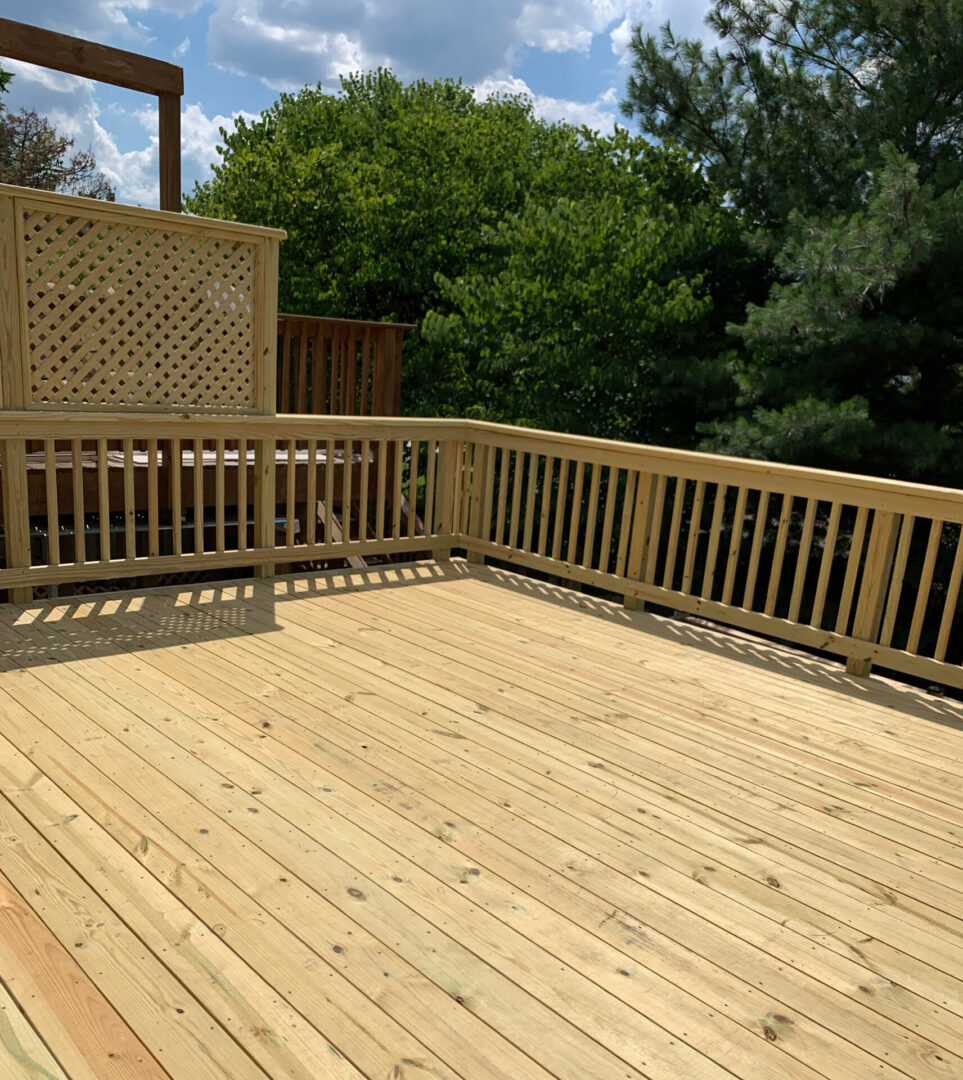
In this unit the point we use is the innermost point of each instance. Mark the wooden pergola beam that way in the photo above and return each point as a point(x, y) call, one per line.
point(132, 71)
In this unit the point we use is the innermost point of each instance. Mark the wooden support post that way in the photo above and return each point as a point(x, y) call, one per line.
point(266, 388)
point(446, 505)
point(874, 587)
point(478, 525)
point(639, 540)
point(169, 151)
point(14, 394)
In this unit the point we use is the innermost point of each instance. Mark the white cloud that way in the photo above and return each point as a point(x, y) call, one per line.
point(183, 48)
point(600, 114)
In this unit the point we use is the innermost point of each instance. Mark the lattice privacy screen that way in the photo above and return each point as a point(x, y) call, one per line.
point(123, 314)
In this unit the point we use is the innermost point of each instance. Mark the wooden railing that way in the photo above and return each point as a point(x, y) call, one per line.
point(865, 568)
point(344, 367)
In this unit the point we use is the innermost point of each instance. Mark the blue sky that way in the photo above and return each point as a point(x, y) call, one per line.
point(238, 55)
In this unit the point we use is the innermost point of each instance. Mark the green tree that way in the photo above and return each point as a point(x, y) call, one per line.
point(32, 154)
point(599, 314)
point(835, 128)
point(382, 187)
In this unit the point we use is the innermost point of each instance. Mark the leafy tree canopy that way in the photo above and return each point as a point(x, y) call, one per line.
point(835, 128)
point(403, 199)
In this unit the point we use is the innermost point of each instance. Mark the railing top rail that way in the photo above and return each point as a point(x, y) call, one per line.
point(375, 323)
point(943, 502)
point(136, 215)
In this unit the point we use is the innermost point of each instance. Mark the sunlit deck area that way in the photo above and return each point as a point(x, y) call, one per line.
point(446, 821)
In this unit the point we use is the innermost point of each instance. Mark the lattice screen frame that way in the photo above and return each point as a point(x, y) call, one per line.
point(133, 348)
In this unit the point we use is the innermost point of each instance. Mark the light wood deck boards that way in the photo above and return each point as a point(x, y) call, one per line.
point(451, 822)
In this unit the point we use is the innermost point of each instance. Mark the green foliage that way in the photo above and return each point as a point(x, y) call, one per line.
point(32, 154)
point(835, 127)
point(401, 200)
point(380, 188)
point(598, 316)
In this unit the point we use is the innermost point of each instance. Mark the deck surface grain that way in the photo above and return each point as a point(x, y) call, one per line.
point(446, 821)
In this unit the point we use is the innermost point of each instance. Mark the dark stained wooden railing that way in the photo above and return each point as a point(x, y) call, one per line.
point(341, 367)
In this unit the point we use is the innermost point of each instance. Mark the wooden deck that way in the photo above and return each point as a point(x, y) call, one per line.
point(451, 822)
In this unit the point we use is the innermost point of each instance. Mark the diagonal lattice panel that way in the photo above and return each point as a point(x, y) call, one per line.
point(122, 314)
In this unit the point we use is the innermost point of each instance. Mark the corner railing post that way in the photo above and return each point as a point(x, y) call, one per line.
point(14, 394)
point(639, 539)
point(445, 501)
point(874, 587)
point(480, 516)
point(266, 359)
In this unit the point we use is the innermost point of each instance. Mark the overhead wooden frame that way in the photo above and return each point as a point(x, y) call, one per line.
point(132, 71)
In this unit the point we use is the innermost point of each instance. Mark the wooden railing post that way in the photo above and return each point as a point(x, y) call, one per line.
point(266, 359)
point(14, 394)
point(446, 503)
point(480, 508)
point(874, 586)
point(639, 538)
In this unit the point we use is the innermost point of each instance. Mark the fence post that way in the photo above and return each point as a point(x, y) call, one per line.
point(874, 586)
point(14, 395)
point(445, 502)
point(639, 538)
point(480, 506)
point(266, 388)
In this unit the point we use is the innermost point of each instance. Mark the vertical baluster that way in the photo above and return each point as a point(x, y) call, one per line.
point(103, 500)
point(651, 527)
point(591, 516)
point(290, 492)
point(625, 522)
point(365, 481)
point(715, 536)
point(351, 376)
point(346, 486)
point(130, 509)
point(675, 530)
point(284, 405)
point(382, 489)
point(319, 372)
point(198, 496)
point(826, 564)
point(413, 485)
point(926, 583)
point(153, 499)
point(429, 514)
point(177, 464)
point(219, 496)
point(466, 458)
point(548, 477)
point(365, 380)
point(398, 445)
point(779, 554)
point(949, 606)
point(242, 494)
point(693, 536)
point(852, 569)
point(802, 563)
point(755, 552)
point(529, 527)
point(516, 474)
point(311, 494)
point(571, 552)
point(53, 505)
point(503, 482)
point(735, 545)
point(77, 465)
point(561, 500)
point(329, 491)
point(608, 520)
point(896, 585)
point(488, 496)
point(303, 369)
